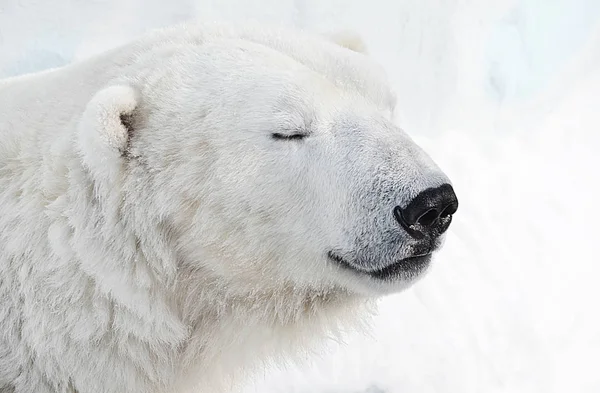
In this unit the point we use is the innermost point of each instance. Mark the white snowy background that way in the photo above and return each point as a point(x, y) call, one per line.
point(505, 95)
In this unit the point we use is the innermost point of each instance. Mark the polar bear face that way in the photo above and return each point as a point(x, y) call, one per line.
point(268, 171)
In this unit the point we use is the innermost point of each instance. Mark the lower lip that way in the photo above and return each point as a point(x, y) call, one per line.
point(407, 267)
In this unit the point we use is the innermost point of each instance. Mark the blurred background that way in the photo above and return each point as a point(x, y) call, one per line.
point(505, 96)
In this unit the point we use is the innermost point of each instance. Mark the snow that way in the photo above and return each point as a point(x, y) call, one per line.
point(504, 95)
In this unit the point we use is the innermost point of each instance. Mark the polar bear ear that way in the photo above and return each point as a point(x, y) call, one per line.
point(348, 39)
point(106, 128)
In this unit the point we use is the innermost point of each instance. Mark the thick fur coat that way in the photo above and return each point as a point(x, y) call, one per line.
point(167, 208)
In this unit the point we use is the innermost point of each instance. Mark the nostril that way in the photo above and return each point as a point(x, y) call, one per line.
point(429, 213)
point(449, 210)
point(428, 218)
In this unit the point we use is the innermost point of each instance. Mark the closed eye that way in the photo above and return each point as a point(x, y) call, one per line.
point(288, 137)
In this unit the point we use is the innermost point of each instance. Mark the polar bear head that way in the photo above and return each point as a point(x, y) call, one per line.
point(269, 162)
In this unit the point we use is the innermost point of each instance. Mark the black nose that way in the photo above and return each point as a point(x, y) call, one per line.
point(429, 214)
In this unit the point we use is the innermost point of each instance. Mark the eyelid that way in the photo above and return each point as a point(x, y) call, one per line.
point(293, 136)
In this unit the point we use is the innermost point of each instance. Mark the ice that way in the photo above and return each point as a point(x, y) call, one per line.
point(505, 95)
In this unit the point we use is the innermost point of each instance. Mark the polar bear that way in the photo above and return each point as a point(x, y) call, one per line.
point(180, 209)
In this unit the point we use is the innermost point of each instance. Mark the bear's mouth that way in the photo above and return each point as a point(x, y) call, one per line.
point(410, 266)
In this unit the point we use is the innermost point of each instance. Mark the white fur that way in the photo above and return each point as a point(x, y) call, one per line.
point(349, 39)
point(176, 249)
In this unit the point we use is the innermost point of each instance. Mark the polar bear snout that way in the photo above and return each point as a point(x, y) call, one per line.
point(429, 214)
